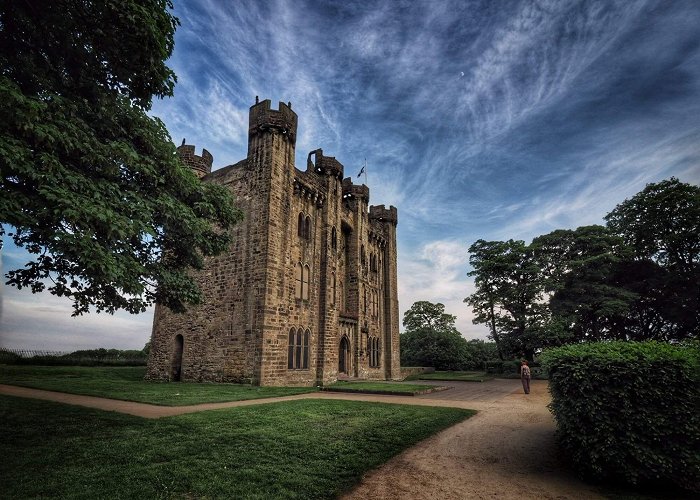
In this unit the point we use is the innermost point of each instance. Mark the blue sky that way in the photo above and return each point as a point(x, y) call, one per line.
point(478, 119)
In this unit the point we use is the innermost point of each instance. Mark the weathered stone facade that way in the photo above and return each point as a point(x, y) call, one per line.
point(307, 292)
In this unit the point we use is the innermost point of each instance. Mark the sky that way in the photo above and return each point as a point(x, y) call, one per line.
point(477, 119)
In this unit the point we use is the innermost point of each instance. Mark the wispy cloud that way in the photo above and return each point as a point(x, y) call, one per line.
point(478, 119)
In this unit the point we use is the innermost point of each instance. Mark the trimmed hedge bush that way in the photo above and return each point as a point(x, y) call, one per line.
point(628, 410)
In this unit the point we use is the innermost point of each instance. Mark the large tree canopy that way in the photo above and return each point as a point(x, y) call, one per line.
point(508, 297)
point(90, 184)
point(662, 226)
point(662, 223)
point(431, 338)
point(636, 279)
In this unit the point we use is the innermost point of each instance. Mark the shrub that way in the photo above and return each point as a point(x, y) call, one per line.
point(628, 410)
point(92, 357)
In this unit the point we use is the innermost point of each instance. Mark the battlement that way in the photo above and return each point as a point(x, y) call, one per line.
point(382, 214)
point(263, 119)
point(351, 190)
point(200, 165)
point(324, 164)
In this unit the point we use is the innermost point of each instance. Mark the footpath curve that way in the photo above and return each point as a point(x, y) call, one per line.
point(506, 451)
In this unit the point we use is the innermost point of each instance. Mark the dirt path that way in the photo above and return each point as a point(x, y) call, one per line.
point(506, 451)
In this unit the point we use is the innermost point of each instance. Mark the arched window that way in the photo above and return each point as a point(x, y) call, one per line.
point(307, 228)
point(334, 288)
point(301, 223)
point(305, 353)
point(334, 238)
point(374, 352)
point(298, 349)
point(305, 283)
point(299, 279)
point(362, 255)
point(290, 349)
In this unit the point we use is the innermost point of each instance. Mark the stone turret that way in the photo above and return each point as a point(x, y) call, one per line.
point(383, 214)
point(200, 165)
point(263, 119)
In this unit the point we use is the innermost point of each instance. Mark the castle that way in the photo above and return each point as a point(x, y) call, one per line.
point(307, 293)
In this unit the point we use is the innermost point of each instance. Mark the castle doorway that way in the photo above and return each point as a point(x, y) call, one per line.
point(344, 356)
point(176, 367)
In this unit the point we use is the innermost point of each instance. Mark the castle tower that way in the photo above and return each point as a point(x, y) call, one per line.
point(387, 220)
point(200, 165)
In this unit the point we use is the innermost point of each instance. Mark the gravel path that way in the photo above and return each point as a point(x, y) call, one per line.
point(506, 451)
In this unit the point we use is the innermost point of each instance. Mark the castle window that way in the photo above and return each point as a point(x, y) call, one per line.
point(334, 288)
point(334, 238)
point(374, 359)
point(305, 283)
point(301, 223)
point(299, 278)
point(298, 349)
point(304, 226)
point(302, 277)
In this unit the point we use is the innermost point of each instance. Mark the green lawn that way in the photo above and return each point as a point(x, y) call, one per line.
point(295, 449)
point(463, 376)
point(380, 388)
point(127, 383)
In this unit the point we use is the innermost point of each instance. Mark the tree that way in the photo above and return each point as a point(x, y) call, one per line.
point(587, 297)
point(479, 352)
point(509, 296)
point(662, 225)
point(90, 184)
point(431, 338)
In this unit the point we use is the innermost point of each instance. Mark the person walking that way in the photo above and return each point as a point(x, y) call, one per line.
point(525, 376)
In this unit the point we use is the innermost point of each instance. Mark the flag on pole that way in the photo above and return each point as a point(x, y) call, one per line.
point(362, 170)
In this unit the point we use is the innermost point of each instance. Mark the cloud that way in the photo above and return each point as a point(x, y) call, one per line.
point(43, 322)
point(480, 119)
point(437, 272)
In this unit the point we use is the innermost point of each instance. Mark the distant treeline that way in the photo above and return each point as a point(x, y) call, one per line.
point(85, 357)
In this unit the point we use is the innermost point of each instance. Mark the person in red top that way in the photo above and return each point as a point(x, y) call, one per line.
point(525, 376)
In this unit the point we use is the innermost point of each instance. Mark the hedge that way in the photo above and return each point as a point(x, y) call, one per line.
point(628, 410)
point(91, 357)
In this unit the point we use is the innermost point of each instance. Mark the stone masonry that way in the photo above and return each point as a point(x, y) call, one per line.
point(307, 292)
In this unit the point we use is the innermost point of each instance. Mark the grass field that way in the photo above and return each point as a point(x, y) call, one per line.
point(127, 383)
point(462, 376)
point(380, 388)
point(296, 449)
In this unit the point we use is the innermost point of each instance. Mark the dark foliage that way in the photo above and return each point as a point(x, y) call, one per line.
point(628, 411)
point(90, 185)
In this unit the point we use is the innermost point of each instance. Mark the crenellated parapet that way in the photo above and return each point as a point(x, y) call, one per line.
point(326, 165)
point(200, 165)
point(377, 239)
point(383, 214)
point(263, 119)
point(309, 193)
point(352, 191)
